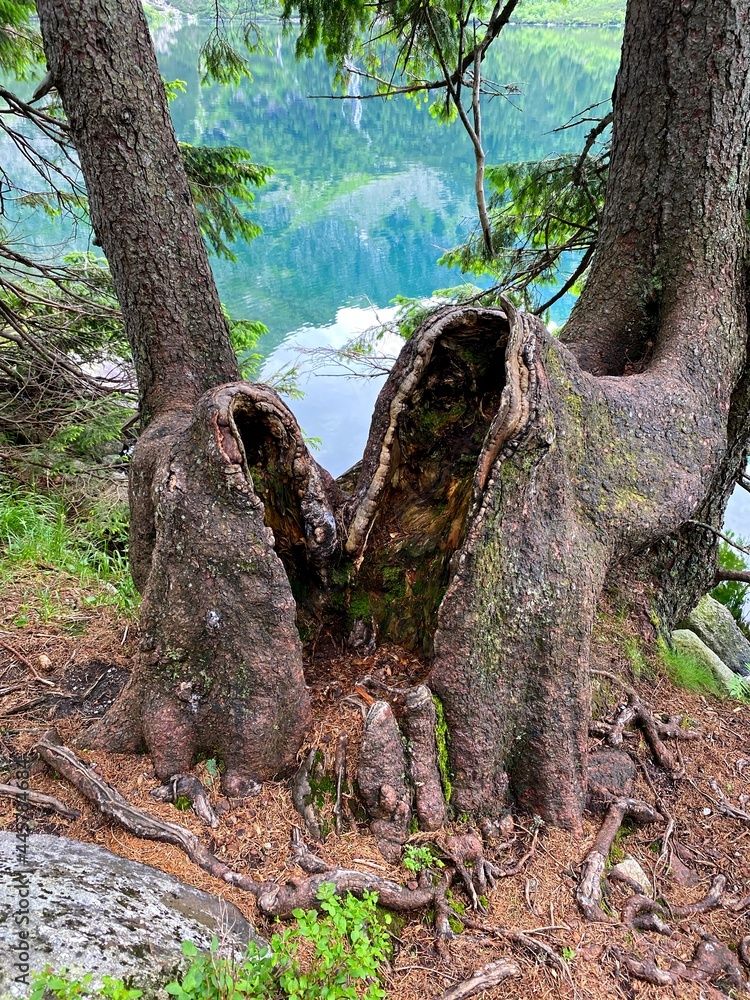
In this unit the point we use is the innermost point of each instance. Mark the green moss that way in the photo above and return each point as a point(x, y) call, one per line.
point(359, 606)
point(442, 737)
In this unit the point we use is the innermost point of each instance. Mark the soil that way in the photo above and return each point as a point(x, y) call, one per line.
point(89, 652)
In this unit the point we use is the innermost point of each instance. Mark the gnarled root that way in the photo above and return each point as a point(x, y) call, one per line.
point(636, 713)
point(187, 786)
point(380, 776)
point(302, 796)
point(712, 962)
point(419, 724)
point(589, 891)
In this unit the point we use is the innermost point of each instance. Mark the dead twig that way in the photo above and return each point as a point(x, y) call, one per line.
point(26, 662)
point(39, 800)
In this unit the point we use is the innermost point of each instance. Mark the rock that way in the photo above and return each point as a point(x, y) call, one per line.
point(87, 910)
point(611, 774)
point(630, 870)
point(688, 643)
point(714, 624)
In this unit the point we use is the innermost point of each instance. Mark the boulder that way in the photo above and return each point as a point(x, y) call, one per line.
point(71, 905)
point(687, 642)
point(714, 624)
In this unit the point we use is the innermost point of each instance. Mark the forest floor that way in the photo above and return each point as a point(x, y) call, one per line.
point(85, 651)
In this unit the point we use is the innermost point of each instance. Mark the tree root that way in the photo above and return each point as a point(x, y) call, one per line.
point(636, 713)
point(381, 779)
point(466, 852)
point(302, 796)
point(189, 787)
point(645, 914)
point(419, 728)
point(483, 979)
point(711, 962)
point(589, 891)
point(342, 808)
point(39, 800)
point(273, 899)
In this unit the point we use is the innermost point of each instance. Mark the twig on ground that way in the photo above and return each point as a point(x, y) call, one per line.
point(39, 800)
point(26, 662)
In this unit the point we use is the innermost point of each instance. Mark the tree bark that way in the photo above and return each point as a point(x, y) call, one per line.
point(216, 599)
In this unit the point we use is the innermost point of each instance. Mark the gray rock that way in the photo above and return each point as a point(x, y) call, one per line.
point(77, 906)
point(632, 872)
point(687, 642)
point(714, 624)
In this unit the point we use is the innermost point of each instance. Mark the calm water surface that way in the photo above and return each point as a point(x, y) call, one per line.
point(365, 196)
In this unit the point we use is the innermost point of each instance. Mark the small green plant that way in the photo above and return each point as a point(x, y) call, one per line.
point(418, 858)
point(69, 989)
point(350, 943)
point(638, 663)
point(568, 953)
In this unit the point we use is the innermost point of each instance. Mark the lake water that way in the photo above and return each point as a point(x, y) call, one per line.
point(365, 196)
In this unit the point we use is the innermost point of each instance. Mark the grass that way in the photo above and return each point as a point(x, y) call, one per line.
point(45, 530)
point(688, 672)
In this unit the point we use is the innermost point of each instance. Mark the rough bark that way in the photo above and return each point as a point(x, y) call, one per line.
point(507, 476)
point(216, 599)
point(587, 489)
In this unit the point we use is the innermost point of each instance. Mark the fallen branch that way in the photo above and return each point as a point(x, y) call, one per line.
point(589, 891)
point(40, 800)
point(23, 707)
point(483, 979)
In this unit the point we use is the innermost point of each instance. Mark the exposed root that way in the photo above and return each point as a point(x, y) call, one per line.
point(380, 776)
point(189, 787)
point(342, 808)
point(483, 979)
point(636, 713)
point(273, 899)
point(589, 891)
point(645, 914)
point(710, 902)
point(302, 796)
point(743, 950)
point(419, 723)
point(712, 962)
point(39, 800)
point(465, 851)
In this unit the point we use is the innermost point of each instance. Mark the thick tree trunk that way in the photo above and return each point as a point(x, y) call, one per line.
point(216, 599)
point(507, 474)
point(628, 460)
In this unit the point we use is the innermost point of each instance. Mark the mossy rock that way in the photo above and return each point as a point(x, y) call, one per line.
point(714, 624)
point(688, 644)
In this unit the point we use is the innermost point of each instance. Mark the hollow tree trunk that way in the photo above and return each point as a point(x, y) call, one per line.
point(507, 474)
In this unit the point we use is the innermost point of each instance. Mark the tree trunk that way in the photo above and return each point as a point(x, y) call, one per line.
point(216, 599)
point(507, 475)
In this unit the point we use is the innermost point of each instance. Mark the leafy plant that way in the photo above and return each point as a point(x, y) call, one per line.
point(334, 954)
point(68, 989)
point(417, 858)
